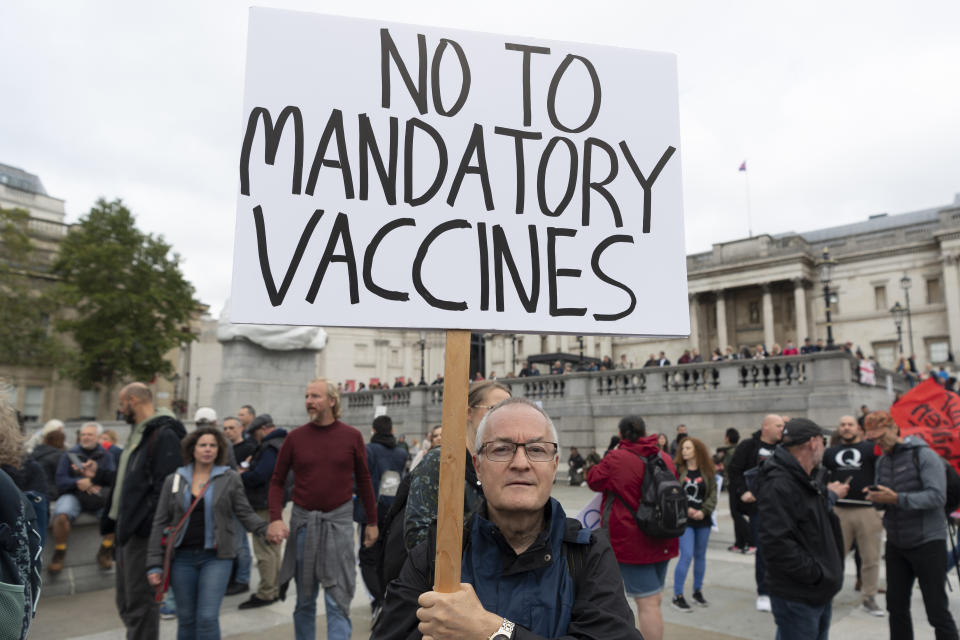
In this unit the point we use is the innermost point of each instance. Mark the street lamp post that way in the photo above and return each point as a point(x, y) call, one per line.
point(897, 311)
point(826, 275)
point(905, 283)
point(423, 346)
point(580, 340)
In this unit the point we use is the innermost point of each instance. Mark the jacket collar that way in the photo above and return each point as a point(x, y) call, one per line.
point(783, 461)
point(187, 471)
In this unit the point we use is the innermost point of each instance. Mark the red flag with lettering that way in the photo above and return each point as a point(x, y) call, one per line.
point(933, 413)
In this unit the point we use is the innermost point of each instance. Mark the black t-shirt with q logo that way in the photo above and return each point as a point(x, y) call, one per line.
point(855, 461)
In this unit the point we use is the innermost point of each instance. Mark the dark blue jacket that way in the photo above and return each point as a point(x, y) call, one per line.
point(534, 589)
point(66, 477)
point(383, 454)
point(256, 479)
point(383, 457)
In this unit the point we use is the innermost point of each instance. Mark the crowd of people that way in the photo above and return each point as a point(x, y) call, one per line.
point(906, 365)
point(175, 508)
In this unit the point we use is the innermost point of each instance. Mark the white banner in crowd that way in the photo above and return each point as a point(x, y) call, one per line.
point(402, 176)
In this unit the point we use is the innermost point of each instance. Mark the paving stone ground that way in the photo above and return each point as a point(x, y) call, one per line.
point(729, 586)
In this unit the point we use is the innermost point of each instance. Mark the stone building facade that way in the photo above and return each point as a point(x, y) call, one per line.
point(759, 290)
point(766, 290)
point(40, 392)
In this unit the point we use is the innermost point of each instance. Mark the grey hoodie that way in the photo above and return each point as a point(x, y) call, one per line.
point(921, 487)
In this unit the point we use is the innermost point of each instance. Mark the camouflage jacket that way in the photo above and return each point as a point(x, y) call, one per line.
point(422, 502)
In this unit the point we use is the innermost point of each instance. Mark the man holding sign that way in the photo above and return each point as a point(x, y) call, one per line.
point(527, 571)
point(435, 178)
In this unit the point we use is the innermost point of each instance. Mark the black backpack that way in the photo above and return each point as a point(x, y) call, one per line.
point(953, 483)
point(20, 565)
point(662, 510)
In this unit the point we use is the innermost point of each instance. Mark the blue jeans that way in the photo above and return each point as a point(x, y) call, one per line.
point(799, 621)
point(244, 560)
point(305, 613)
point(199, 580)
point(693, 544)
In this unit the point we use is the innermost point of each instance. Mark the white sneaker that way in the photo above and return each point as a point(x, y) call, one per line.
point(763, 603)
point(870, 606)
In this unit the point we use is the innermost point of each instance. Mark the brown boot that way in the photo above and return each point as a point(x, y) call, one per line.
point(56, 565)
point(61, 529)
point(105, 557)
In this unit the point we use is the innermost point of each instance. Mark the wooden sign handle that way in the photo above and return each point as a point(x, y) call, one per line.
point(456, 381)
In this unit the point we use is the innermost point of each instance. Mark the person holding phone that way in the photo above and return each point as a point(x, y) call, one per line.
point(84, 476)
point(911, 488)
point(203, 537)
point(853, 461)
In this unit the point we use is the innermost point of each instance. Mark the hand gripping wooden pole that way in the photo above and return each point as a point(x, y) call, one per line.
point(456, 381)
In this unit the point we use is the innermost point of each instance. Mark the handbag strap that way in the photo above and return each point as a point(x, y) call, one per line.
point(168, 552)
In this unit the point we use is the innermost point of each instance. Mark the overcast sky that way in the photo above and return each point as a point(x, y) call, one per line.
point(841, 109)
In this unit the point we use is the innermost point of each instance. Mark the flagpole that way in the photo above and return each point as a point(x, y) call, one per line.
point(746, 182)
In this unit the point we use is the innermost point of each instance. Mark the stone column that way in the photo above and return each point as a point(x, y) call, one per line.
point(382, 358)
point(768, 338)
point(951, 292)
point(694, 322)
point(409, 359)
point(552, 344)
point(722, 338)
point(507, 355)
point(800, 310)
point(606, 347)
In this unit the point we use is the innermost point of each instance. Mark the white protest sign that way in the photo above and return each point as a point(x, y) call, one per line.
point(404, 176)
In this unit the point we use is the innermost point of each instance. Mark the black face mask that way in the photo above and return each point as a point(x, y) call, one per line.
point(129, 417)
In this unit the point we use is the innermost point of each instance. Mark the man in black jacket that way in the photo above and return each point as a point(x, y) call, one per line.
point(748, 455)
point(256, 481)
point(152, 453)
point(799, 535)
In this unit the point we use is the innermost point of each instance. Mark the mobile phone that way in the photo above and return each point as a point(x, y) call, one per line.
point(873, 487)
point(75, 459)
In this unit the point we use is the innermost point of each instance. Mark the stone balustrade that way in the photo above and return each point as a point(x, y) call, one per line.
point(708, 397)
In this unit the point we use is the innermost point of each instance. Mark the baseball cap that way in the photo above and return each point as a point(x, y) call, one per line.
point(799, 430)
point(205, 415)
point(261, 420)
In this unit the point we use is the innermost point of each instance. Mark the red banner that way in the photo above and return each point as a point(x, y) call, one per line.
point(930, 411)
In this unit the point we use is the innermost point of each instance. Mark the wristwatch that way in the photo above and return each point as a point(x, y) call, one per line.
point(505, 632)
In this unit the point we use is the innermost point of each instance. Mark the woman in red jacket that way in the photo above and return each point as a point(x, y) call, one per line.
point(643, 560)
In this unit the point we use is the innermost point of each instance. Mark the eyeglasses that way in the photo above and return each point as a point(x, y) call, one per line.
point(501, 451)
point(483, 406)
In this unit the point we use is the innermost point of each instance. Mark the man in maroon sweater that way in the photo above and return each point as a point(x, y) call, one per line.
point(327, 457)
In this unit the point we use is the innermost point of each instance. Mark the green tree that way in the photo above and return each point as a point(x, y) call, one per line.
point(25, 336)
point(130, 303)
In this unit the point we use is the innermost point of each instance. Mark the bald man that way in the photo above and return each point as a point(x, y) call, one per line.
point(151, 454)
point(751, 453)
